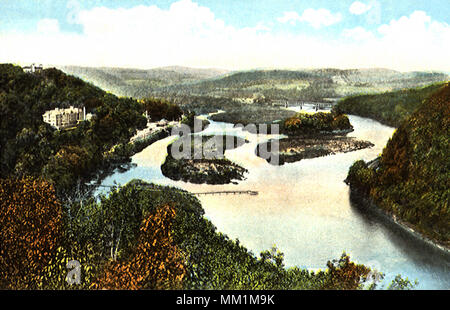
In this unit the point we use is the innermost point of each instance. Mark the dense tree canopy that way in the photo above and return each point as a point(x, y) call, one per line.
point(31, 147)
point(140, 235)
point(313, 123)
point(161, 109)
point(390, 108)
point(155, 262)
point(412, 177)
point(30, 231)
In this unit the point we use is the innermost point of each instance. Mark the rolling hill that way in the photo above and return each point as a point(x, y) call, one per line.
point(390, 108)
point(138, 83)
point(251, 86)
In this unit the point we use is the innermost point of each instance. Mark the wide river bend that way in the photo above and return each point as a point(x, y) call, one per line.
point(303, 208)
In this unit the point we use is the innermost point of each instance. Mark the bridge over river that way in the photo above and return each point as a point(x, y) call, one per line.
point(253, 193)
point(315, 105)
point(234, 192)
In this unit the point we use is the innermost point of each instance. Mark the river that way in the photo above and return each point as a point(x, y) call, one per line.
point(303, 208)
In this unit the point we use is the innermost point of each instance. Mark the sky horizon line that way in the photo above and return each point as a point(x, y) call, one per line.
point(405, 35)
point(22, 64)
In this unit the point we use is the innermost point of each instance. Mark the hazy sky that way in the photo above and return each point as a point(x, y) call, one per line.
point(403, 35)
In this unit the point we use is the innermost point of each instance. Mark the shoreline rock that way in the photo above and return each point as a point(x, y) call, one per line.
point(199, 171)
point(296, 148)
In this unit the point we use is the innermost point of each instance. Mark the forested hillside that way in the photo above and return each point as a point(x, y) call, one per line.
point(139, 236)
point(390, 108)
point(31, 147)
point(412, 178)
point(189, 84)
point(138, 83)
point(142, 236)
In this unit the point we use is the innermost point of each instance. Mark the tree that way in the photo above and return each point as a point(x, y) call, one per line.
point(402, 284)
point(30, 231)
point(156, 263)
point(160, 108)
point(67, 166)
point(345, 274)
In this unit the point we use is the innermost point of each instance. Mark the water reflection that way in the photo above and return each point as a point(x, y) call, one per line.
point(304, 208)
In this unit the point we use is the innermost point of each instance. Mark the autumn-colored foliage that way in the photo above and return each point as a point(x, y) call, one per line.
point(411, 178)
point(312, 123)
point(156, 263)
point(395, 158)
point(345, 274)
point(292, 122)
point(30, 231)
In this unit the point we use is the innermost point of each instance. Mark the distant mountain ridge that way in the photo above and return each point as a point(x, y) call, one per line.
point(311, 84)
point(305, 84)
point(132, 82)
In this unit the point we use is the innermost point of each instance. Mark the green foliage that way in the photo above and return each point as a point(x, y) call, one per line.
point(155, 262)
point(31, 147)
point(402, 284)
point(412, 180)
point(212, 260)
point(390, 108)
point(161, 109)
point(304, 85)
point(140, 83)
point(360, 176)
point(252, 114)
point(201, 89)
point(190, 119)
point(341, 122)
point(56, 271)
point(313, 123)
point(114, 238)
point(345, 274)
point(198, 168)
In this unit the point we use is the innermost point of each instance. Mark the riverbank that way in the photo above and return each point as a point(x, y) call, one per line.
point(296, 148)
point(367, 204)
point(410, 178)
point(302, 207)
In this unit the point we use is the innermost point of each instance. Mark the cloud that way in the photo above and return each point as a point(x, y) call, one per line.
point(289, 17)
point(47, 26)
point(74, 8)
point(188, 34)
point(358, 33)
point(320, 17)
point(414, 42)
point(316, 18)
point(358, 8)
point(418, 24)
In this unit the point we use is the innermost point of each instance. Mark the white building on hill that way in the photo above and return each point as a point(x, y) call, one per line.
point(63, 118)
point(33, 68)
